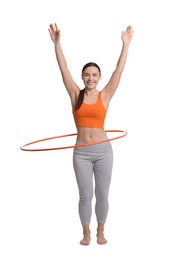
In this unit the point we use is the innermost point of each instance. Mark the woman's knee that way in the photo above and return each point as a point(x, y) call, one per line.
point(86, 197)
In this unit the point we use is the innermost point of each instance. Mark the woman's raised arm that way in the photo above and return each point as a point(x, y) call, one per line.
point(113, 83)
point(71, 87)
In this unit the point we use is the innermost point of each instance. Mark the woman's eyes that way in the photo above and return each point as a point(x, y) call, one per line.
point(87, 75)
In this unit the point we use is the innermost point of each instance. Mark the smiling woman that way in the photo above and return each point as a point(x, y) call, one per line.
point(89, 111)
point(91, 74)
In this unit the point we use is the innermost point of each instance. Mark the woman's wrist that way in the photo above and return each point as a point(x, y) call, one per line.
point(57, 43)
point(126, 44)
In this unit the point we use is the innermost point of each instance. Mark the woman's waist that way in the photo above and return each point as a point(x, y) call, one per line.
point(88, 135)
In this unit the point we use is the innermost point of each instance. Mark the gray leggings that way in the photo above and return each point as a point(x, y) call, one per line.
point(97, 159)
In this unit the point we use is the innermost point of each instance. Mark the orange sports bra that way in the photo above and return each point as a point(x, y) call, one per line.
point(90, 115)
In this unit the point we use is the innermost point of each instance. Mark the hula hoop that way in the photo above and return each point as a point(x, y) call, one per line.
point(124, 133)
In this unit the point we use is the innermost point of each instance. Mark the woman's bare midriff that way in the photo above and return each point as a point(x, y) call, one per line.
point(88, 135)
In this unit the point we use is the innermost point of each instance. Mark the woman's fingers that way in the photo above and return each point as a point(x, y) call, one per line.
point(53, 28)
point(56, 27)
point(129, 29)
point(54, 32)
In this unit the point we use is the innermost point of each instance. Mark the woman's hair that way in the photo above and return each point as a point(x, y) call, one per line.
point(81, 94)
point(91, 64)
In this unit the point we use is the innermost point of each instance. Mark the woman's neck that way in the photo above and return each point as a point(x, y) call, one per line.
point(91, 92)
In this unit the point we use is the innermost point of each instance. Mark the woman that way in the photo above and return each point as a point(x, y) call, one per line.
point(89, 111)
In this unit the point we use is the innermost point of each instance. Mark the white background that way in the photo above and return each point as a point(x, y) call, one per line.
point(38, 191)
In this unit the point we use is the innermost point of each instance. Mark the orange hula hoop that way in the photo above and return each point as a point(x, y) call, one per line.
point(124, 133)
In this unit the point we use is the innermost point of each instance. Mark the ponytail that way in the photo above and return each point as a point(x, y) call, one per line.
point(80, 99)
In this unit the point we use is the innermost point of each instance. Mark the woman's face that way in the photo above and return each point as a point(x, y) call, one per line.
point(91, 77)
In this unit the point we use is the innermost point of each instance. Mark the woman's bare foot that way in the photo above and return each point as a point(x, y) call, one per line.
point(101, 240)
point(85, 241)
point(86, 238)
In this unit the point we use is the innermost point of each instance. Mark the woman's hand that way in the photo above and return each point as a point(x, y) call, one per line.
point(54, 33)
point(127, 35)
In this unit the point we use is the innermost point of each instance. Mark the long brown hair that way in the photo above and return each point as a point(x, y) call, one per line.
point(81, 94)
point(80, 99)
